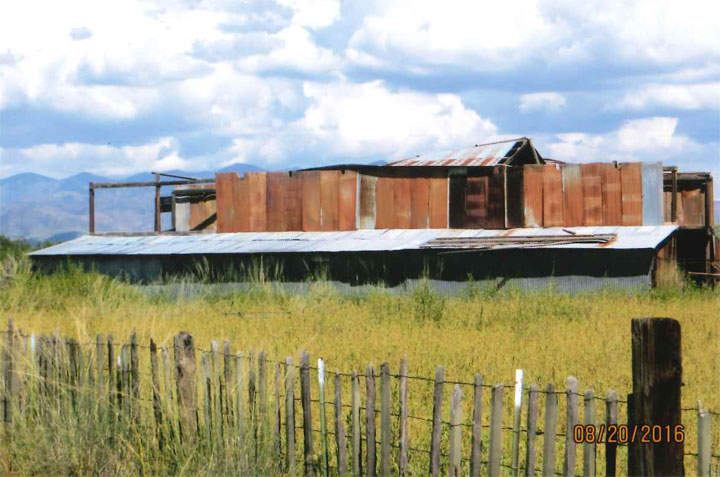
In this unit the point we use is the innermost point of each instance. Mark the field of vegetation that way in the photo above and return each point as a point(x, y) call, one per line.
point(548, 334)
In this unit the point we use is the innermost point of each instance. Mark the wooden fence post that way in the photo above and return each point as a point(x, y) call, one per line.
point(657, 381)
point(290, 416)
point(517, 414)
point(111, 369)
point(185, 366)
point(532, 414)
point(157, 410)
point(207, 397)
point(476, 444)
point(170, 414)
point(589, 448)
point(495, 449)
point(8, 373)
point(437, 422)
point(370, 467)
point(134, 379)
point(226, 381)
point(455, 468)
point(217, 391)
point(704, 440)
point(125, 390)
point(277, 431)
point(100, 360)
point(240, 414)
point(403, 454)
point(571, 394)
point(252, 400)
point(262, 395)
point(340, 439)
point(355, 404)
point(73, 350)
point(385, 419)
point(323, 418)
point(309, 466)
point(550, 430)
point(611, 419)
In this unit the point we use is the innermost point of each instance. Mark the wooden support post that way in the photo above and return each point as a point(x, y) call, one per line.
point(91, 209)
point(385, 419)
point(611, 419)
point(403, 451)
point(495, 449)
point(157, 409)
point(455, 468)
point(550, 430)
point(340, 439)
point(517, 414)
point(355, 405)
point(437, 422)
point(370, 467)
point(589, 448)
point(185, 366)
point(323, 418)
point(290, 416)
point(704, 440)
point(476, 444)
point(532, 415)
point(657, 380)
point(158, 222)
point(673, 197)
point(305, 396)
point(571, 420)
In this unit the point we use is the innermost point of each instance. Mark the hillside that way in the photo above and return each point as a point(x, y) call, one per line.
point(36, 207)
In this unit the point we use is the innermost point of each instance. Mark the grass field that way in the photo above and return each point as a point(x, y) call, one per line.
point(549, 335)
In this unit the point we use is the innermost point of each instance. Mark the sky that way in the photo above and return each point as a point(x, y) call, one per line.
point(116, 88)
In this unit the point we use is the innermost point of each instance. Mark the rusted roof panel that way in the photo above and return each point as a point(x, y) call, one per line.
point(479, 155)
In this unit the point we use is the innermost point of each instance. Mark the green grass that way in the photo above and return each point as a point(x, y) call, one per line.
point(548, 334)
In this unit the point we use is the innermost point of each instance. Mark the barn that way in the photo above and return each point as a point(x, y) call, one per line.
point(496, 212)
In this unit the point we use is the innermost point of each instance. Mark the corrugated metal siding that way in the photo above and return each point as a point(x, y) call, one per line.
point(652, 191)
point(640, 237)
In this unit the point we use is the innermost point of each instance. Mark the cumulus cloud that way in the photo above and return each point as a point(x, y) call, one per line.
point(690, 96)
point(541, 102)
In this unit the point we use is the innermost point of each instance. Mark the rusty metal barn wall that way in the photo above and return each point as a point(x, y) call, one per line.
point(652, 192)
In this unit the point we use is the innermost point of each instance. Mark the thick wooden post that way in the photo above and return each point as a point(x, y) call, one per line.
point(290, 416)
point(323, 418)
point(476, 444)
point(403, 451)
point(571, 395)
point(495, 448)
point(91, 209)
point(111, 369)
point(158, 222)
point(340, 439)
point(550, 430)
point(704, 440)
point(157, 410)
point(657, 379)
point(611, 419)
point(308, 452)
point(385, 419)
point(277, 417)
point(99, 359)
point(134, 379)
point(517, 413)
point(437, 422)
point(455, 468)
point(370, 467)
point(185, 366)
point(355, 405)
point(589, 448)
point(532, 414)
point(225, 384)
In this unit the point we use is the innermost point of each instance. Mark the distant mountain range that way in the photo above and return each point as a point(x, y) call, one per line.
point(37, 208)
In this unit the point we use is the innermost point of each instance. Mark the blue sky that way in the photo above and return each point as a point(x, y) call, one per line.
point(116, 88)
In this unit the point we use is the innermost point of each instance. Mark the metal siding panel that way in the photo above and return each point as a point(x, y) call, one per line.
point(401, 203)
point(457, 193)
point(552, 197)
point(592, 194)
point(294, 203)
point(384, 203)
point(257, 204)
point(496, 200)
point(652, 194)
point(514, 188)
point(631, 182)
point(329, 199)
point(367, 203)
point(612, 195)
point(348, 200)
point(572, 195)
point(438, 203)
point(311, 200)
point(225, 200)
point(476, 202)
point(533, 195)
point(420, 194)
point(276, 188)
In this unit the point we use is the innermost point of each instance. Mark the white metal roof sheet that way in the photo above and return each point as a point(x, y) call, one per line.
point(639, 237)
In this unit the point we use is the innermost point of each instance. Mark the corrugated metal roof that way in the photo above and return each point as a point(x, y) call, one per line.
point(615, 237)
point(479, 155)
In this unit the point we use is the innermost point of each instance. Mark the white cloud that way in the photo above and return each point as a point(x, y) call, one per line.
point(691, 96)
point(549, 101)
point(313, 13)
point(369, 119)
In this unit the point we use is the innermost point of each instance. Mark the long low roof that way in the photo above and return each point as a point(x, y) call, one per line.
point(369, 240)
